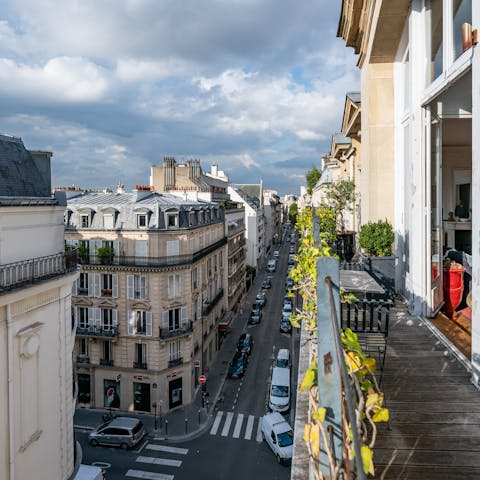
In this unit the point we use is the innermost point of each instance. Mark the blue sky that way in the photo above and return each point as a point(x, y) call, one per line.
point(113, 86)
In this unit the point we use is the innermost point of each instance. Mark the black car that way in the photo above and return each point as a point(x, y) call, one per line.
point(285, 325)
point(245, 343)
point(255, 317)
point(267, 284)
point(256, 307)
point(238, 365)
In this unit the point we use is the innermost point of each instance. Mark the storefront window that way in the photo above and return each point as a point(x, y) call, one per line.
point(111, 394)
point(434, 31)
point(462, 13)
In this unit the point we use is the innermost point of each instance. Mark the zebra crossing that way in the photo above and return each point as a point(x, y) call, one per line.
point(145, 461)
point(238, 426)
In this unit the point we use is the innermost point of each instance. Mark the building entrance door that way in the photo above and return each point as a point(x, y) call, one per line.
point(175, 392)
point(141, 397)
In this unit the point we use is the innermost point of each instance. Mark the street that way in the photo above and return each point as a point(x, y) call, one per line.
point(232, 447)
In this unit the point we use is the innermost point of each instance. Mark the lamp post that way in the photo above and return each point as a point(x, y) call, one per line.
point(154, 405)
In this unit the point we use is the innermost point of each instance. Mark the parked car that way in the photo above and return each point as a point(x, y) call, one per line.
point(279, 399)
point(261, 298)
point(283, 358)
point(256, 307)
point(288, 299)
point(291, 260)
point(122, 432)
point(255, 317)
point(267, 284)
point(276, 254)
point(288, 283)
point(279, 436)
point(292, 249)
point(238, 365)
point(285, 325)
point(245, 343)
point(287, 310)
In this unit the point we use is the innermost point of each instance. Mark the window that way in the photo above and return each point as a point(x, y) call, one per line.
point(109, 319)
point(434, 28)
point(108, 221)
point(107, 284)
point(140, 323)
point(462, 13)
point(85, 220)
point(174, 286)
point(191, 218)
point(83, 347)
point(140, 355)
point(137, 287)
point(82, 317)
point(174, 353)
point(174, 319)
point(142, 220)
point(107, 350)
point(172, 220)
point(194, 279)
point(83, 284)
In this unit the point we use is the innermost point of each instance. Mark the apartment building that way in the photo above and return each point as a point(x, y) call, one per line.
point(149, 298)
point(37, 390)
point(273, 218)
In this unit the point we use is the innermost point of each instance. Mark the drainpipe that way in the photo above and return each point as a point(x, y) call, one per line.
point(11, 411)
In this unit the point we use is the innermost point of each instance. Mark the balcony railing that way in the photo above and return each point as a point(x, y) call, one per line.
point(140, 365)
point(83, 359)
point(156, 262)
point(17, 274)
point(208, 305)
point(185, 328)
point(175, 361)
point(106, 363)
point(97, 331)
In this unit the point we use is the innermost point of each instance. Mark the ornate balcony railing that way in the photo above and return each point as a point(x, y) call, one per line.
point(185, 328)
point(17, 274)
point(208, 306)
point(83, 359)
point(97, 331)
point(175, 361)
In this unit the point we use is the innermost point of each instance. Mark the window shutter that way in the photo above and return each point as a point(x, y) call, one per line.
point(165, 319)
point(183, 316)
point(75, 316)
point(91, 318)
point(115, 318)
point(178, 285)
point(75, 287)
point(90, 285)
point(91, 249)
point(131, 322)
point(143, 287)
point(149, 323)
point(130, 293)
point(115, 286)
point(171, 288)
point(116, 250)
point(96, 284)
point(98, 317)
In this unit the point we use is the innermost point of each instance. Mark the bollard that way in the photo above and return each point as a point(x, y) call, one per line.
point(199, 412)
point(186, 425)
point(166, 427)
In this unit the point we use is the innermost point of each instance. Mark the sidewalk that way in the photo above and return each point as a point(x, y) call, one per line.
point(189, 421)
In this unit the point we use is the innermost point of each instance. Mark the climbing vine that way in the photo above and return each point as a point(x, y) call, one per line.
point(368, 398)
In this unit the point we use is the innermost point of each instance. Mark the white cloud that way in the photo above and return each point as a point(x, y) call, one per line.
point(248, 161)
point(138, 70)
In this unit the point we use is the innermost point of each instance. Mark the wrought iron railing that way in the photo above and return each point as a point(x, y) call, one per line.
point(208, 306)
point(97, 331)
point(175, 361)
point(17, 274)
point(185, 328)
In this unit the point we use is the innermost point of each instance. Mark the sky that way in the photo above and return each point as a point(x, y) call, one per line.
point(111, 87)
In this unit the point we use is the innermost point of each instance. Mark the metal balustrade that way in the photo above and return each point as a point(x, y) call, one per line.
point(97, 331)
point(208, 305)
point(185, 328)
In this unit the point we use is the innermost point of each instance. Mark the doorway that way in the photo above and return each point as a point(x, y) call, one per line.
point(175, 392)
point(141, 397)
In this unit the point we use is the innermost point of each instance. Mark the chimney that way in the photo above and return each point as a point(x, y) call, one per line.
point(169, 164)
point(120, 188)
point(214, 170)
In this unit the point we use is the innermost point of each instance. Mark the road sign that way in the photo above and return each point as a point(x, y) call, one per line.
point(196, 363)
point(202, 379)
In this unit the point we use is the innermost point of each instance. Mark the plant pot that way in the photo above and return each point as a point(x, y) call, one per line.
point(452, 289)
point(346, 246)
point(382, 269)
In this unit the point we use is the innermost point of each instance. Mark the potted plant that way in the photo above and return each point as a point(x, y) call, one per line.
point(105, 255)
point(376, 241)
point(83, 253)
point(341, 196)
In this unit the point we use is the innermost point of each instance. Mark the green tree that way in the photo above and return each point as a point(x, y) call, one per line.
point(312, 177)
point(341, 196)
point(292, 213)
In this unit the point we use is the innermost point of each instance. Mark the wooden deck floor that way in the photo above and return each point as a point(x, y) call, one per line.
point(434, 409)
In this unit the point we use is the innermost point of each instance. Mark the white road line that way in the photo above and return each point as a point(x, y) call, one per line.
point(259, 430)
point(216, 423)
point(226, 425)
point(238, 426)
point(148, 475)
point(249, 428)
point(165, 448)
point(159, 461)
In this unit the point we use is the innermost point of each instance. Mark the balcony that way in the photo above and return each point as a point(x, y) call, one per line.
point(83, 359)
point(139, 365)
point(97, 331)
point(208, 305)
point(19, 274)
point(175, 361)
point(165, 333)
point(106, 363)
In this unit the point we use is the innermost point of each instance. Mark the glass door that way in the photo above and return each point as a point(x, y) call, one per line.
point(433, 190)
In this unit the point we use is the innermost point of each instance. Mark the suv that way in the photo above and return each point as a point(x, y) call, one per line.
point(122, 432)
point(245, 343)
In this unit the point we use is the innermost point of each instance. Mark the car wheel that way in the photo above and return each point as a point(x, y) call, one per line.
point(93, 442)
point(124, 446)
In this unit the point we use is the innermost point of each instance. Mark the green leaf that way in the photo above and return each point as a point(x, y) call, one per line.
point(367, 460)
point(381, 415)
point(366, 384)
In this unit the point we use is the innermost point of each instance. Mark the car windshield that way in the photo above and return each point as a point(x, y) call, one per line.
point(279, 391)
point(285, 439)
point(282, 362)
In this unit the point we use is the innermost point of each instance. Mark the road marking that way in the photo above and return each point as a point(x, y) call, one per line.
point(159, 461)
point(238, 426)
point(216, 423)
point(249, 428)
point(259, 430)
point(148, 475)
point(228, 422)
point(165, 448)
point(142, 447)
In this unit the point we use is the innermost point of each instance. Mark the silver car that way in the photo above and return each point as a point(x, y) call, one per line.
point(122, 432)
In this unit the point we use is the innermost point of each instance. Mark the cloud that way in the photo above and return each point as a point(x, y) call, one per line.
point(248, 161)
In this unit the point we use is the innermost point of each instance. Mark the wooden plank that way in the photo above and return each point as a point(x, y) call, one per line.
point(438, 429)
point(396, 472)
point(459, 406)
point(430, 442)
point(412, 457)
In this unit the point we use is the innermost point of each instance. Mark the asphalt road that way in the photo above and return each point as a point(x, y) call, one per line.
point(232, 449)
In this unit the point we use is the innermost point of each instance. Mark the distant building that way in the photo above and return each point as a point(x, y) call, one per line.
point(37, 390)
point(273, 218)
point(150, 295)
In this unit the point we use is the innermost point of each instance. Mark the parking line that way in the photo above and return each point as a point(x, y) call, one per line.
point(238, 426)
point(249, 428)
point(228, 422)
point(148, 475)
point(216, 423)
point(165, 448)
point(159, 461)
point(259, 430)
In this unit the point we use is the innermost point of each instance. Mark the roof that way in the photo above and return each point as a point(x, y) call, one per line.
point(250, 193)
point(19, 174)
point(354, 96)
point(340, 138)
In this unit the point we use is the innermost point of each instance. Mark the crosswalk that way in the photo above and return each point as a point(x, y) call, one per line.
point(238, 426)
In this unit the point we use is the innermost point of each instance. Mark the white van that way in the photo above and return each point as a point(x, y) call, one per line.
point(279, 436)
point(283, 358)
point(279, 400)
point(271, 265)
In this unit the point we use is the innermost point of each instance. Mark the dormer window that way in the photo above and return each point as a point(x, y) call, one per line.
point(142, 220)
point(85, 220)
point(108, 222)
point(172, 220)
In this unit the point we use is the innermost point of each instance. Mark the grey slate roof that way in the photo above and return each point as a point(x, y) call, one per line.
point(341, 138)
point(354, 96)
point(249, 192)
point(19, 175)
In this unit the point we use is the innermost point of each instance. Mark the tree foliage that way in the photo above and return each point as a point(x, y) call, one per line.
point(376, 238)
point(292, 213)
point(312, 177)
point(341, 196)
